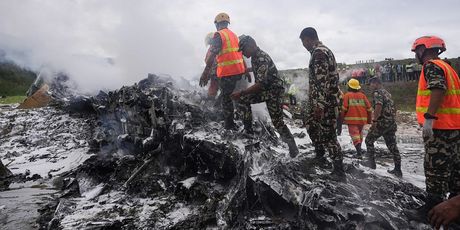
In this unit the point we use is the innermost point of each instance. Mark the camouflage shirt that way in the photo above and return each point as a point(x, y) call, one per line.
point(434, 76)
point(265, 72)
point(213, 70)
point(216, 44)
point(383, 97)
point(323, 78)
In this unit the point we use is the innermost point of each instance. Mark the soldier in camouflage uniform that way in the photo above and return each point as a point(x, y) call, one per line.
point(268, 88)
point(443, 148)
point(383, 124)
point(323, 100)
point(438, 110)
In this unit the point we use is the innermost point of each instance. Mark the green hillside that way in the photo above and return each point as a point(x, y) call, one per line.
point(403, 94)
point(14, 80)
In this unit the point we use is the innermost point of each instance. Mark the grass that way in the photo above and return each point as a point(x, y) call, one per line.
point(403, 94)
point(12, 99)
point(14, 80)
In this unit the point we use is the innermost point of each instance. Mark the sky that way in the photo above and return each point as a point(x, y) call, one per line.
point(105, 44)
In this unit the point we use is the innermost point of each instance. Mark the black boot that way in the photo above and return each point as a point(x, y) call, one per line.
point(359, 152)
point(248, 128)
point(338, 173)
point(420, 214)
point(452, 195)
point(397, 170)
point(370, 162)
point(320, 152)
point(230, 125)
point(293, 150)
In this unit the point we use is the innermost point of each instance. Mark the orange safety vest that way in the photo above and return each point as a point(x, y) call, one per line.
point(229, 60)
point(449, 112)
point(356, 108)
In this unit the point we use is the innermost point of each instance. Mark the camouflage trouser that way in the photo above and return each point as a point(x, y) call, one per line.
point(273, 101)
point(227, 85)
point(442, 162)
point(323, 133)
point(387, 129)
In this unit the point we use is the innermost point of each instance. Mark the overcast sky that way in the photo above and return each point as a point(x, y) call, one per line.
point(155, 36)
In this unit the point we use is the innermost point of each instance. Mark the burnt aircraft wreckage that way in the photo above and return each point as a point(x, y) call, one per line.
point(159, 158)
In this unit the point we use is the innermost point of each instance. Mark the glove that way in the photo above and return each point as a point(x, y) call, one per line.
point(427, 128)
point(204, 79)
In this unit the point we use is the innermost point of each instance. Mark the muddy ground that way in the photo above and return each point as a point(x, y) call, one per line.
point(157, 158)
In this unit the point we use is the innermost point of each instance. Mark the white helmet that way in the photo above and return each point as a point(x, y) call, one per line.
point(208, 39)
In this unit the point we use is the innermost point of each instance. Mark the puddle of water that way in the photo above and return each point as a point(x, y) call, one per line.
point(19, 205)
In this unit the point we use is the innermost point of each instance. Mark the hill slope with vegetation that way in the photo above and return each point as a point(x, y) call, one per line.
point(14, 80)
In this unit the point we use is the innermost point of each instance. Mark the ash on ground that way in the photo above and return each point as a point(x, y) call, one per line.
point(155, 156)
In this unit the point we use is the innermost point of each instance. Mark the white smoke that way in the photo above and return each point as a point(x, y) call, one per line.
point(98, 45)
point(107, 43)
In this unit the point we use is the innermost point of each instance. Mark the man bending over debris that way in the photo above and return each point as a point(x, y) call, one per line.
point(438, 110)
point(323, 100)
point(383, 124)
point(268, 88)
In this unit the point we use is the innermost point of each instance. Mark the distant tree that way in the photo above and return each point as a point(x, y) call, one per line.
point(14, 80)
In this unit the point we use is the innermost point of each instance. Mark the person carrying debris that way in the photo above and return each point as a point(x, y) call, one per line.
point(230, 65)
point(214, 85)
point(323, 100)
point(383, 124)
point(268, 88)
point(438, 111)
point(356, 112)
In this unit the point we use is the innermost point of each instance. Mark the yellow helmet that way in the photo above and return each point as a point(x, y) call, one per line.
point(222, 17)
point(354, 84)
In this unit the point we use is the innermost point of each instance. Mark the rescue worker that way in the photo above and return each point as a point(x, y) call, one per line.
point(268, 88)
point(323, 100)
point(356, 112)
point(438, 111)
point(230, 65)
point(214, 85)
point(383, 124)
point(292, 91)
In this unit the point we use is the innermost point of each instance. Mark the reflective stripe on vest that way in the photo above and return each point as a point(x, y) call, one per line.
point(355, 118)
point(357, 102)
point(229, 60)
point(449, 112)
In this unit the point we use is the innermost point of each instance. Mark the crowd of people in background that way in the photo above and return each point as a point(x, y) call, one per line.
point(389, 71)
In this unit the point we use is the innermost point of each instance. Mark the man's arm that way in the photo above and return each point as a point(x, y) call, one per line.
point(344, 106)
point(214, 49)
point(436, 82)
point(377, 112)
point(378, 100)
point(436, 98)
point(320, 87)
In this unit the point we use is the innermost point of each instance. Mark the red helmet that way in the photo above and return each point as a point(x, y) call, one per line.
point(430, 42)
